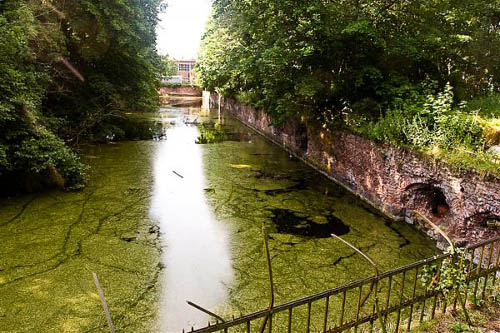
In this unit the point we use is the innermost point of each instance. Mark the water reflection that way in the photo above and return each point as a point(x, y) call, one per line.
point(246, 182)
point(196, 253)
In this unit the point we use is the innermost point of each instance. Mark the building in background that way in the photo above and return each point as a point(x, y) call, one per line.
point(185, 73)
point(185, 68)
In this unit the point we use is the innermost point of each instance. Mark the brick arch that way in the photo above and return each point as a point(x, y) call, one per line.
point(426, 198)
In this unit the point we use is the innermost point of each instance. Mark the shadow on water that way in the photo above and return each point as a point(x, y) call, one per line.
point(289, 222)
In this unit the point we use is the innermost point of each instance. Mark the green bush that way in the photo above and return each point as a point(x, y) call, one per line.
point(431, 124)
point(461, 129)
point(435, 123)
point(38, 152)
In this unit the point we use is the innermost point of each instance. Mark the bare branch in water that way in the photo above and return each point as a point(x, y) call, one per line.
point(178, 174)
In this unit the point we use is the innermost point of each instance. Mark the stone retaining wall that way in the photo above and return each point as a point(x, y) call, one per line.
point(181, 91)
point(396, 181)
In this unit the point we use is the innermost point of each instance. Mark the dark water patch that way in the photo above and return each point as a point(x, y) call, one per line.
point(289, 222)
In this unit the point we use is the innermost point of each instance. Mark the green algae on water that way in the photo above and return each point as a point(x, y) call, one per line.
point(51, 243)
point(301, 209)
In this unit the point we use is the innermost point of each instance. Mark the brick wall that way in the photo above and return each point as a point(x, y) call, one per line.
point(395, 181)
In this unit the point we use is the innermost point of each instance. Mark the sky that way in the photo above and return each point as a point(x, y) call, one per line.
point(181, 27)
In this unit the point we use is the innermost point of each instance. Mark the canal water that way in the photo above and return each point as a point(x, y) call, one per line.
point(169, 220)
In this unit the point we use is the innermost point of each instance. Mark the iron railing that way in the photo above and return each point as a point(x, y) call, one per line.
point(402, 297)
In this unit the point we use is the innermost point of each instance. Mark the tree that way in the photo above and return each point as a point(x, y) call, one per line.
point(320, 58)
point(68, 72)
point(169, 66)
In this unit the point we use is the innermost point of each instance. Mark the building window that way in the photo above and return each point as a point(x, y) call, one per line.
point(184, 67)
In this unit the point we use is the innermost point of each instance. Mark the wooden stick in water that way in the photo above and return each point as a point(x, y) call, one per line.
point(178, 174)
point(104, 304)
point(196, 306)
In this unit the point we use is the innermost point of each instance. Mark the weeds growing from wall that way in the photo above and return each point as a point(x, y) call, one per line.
point(433, 125)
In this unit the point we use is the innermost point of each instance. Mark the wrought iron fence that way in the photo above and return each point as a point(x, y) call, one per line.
point(403, 296)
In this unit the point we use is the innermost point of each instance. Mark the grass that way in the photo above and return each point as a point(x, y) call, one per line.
point(462, 159)
point(485, 317)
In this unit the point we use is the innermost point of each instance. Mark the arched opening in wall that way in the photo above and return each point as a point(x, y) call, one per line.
point(425, 198)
